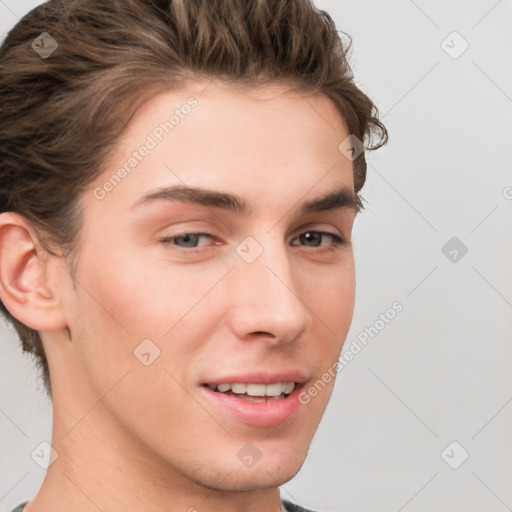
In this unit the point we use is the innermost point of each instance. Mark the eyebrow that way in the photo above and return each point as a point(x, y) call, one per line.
point(341, 198)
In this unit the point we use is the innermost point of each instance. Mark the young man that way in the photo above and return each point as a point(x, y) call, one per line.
point(179, 181)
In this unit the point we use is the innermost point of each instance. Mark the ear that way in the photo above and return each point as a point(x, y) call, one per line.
point(24, 286)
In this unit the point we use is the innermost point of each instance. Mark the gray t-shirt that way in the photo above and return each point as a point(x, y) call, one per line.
point(286, 506)
point(19, 508)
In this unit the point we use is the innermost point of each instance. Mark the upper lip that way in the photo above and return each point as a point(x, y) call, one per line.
point(260, 378)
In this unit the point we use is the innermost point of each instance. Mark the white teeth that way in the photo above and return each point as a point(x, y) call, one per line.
point(238, 388)
point(257, 389)
point(273, 389)
point(289, 387)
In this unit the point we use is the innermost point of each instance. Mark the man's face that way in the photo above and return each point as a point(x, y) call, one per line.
point(259, 297)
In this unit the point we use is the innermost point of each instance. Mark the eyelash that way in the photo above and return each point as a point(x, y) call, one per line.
point(337, 240)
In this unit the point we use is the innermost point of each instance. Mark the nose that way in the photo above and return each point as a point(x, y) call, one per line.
point(266, 299)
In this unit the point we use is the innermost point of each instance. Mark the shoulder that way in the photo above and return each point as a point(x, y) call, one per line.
point(19, 508)
point(292, 507)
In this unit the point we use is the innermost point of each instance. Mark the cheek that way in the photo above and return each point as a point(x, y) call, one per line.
point(128, 301)
point(332, 298)
point(147, 295)
point(332, 306)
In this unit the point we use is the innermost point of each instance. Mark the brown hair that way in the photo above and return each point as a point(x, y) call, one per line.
point(61, 114)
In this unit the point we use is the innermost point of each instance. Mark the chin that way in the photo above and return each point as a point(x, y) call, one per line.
point(255, 479)
point(267, 473)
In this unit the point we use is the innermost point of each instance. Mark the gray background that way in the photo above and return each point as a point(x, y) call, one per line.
point(439, 372)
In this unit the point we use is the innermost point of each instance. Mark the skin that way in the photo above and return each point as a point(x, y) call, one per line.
point(133, 437)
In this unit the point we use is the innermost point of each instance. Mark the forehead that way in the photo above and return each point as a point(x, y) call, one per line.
point(221, 108)
point(270, 139)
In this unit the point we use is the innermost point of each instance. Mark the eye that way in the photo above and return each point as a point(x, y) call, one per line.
point(186, 239)
point(314, 238)
point(308, 239)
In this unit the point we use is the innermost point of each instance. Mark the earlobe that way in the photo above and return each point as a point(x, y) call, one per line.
point(24, 287)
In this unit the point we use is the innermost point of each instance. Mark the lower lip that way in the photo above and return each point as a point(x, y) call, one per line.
point(259, 414)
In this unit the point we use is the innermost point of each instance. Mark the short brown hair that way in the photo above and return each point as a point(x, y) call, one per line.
point(60, 116)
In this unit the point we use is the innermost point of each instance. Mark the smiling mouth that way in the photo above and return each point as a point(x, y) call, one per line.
point(255, 392)
point(259, 404)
